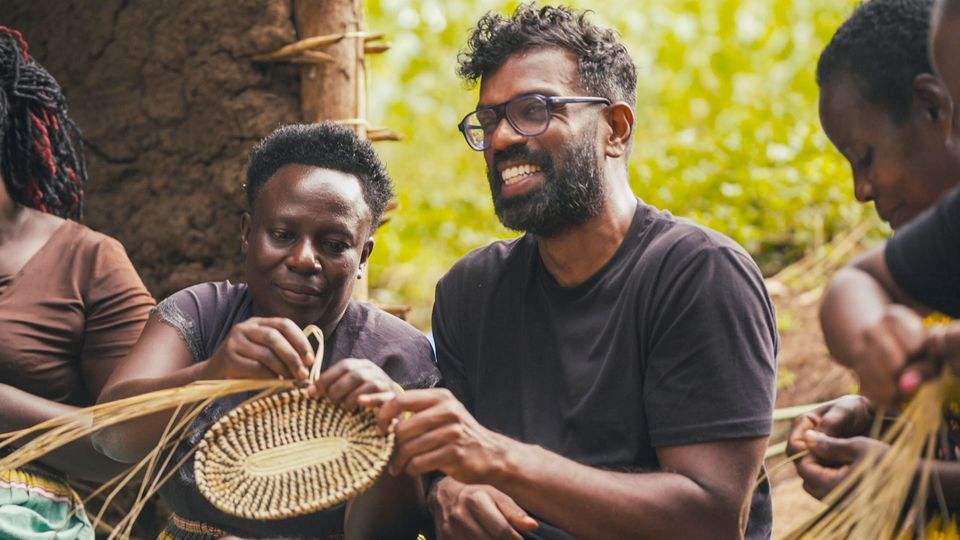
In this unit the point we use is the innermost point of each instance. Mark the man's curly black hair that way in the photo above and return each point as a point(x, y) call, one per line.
point(883, 45)
point(604, 66)
point(326, 146)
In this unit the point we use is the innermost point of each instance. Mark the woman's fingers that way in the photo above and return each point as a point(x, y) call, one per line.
point(271, 334)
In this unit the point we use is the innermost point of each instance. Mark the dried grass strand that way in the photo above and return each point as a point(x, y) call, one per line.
point(70, 427)
point(190, 400)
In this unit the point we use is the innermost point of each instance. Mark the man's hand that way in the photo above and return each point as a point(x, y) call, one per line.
point(476, 511)
point(344, 382)
point(262, 348)
point(439, 435)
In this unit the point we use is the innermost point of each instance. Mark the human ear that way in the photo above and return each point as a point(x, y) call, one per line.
point(931, 99)
point(244, 232)
point(620, 119)
point(365, 252)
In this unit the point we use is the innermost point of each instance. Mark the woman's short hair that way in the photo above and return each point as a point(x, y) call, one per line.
point(326, 146)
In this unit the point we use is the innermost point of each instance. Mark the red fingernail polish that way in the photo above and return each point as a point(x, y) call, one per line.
point(909, 382)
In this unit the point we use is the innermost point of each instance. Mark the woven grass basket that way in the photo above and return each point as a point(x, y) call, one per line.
point(289, 454)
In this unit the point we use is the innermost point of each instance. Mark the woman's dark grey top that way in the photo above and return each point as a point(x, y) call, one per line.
point(204, 315)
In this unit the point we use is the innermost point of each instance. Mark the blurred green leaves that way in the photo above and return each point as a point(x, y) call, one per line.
point(727, 132)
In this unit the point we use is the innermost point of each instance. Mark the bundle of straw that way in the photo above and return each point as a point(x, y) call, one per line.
point(871, 502)
point(187, 402)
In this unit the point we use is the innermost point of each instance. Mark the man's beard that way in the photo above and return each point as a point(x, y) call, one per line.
point(572, 191)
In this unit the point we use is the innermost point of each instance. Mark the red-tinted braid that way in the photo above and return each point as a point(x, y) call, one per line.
point(40, 166)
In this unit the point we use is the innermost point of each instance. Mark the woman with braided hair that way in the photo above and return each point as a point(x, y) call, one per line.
point(71, 303)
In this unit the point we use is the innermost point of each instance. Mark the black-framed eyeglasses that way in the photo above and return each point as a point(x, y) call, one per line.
point(528, 114)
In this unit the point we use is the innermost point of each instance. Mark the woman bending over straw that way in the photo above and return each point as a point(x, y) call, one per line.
point(884, 108)
point(316, 194)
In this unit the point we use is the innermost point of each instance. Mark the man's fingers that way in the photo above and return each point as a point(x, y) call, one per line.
point(412, 401)
point(517, 516)
point(410, 448)
point(482, 507)
point(462, 525)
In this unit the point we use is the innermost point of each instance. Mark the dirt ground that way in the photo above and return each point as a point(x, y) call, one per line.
point(807, 375)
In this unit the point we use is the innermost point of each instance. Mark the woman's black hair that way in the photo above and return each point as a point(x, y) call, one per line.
point(323, 145)
point(883, 46)
point(40, 165)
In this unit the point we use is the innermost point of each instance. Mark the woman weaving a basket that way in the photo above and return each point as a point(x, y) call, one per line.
point(316, 194)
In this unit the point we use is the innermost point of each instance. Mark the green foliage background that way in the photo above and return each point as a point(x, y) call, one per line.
point(727, 129)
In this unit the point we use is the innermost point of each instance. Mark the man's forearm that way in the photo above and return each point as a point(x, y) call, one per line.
point(593, 503)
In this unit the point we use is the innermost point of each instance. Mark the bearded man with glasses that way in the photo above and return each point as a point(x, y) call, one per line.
point(610, 373)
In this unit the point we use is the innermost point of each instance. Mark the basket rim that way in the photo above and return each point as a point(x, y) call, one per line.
point(357, 471)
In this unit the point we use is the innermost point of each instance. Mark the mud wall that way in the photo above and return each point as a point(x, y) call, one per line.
point(169, 104)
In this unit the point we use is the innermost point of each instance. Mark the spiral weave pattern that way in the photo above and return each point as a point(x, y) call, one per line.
point(287, 455)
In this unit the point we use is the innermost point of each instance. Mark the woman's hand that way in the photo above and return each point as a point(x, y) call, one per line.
point(833, 460)
point(344, 382)
point(833, 434)
point(887, 346)
point(847, 416)
point(262, 348)
point(941, 347)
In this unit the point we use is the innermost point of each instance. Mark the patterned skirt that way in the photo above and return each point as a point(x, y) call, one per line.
point(179, 528)
point(182, 529)
point(38, 505)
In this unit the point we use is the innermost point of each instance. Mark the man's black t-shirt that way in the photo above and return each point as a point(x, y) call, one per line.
point(672, 342)
point(924, 257)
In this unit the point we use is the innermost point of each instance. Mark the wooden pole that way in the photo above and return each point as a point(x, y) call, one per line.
point(335, 90)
